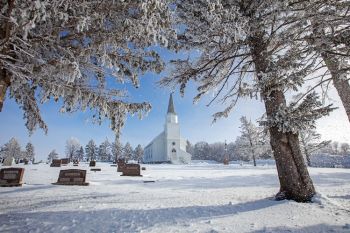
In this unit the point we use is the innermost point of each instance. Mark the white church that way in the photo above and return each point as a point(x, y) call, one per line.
point(168, 146)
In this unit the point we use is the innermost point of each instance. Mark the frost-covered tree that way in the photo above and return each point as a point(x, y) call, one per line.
point(104, 151)
point(79, 155)
point(72, 147)
point(345, 148)
point(11, 149)
point(310, 142)
point(91, 150)
point(52, 155)
point(29, 152)
point(65, 50)
point(189, 147)
point(201, 150)
point(138, 153)
point(324, 25)
point(127, 151)
point(252, 135)
point(117, 149)
point(248, 48)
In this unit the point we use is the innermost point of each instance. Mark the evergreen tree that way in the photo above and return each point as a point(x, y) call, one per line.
point(117, 149)
point(79, 154)
point(127, 151)
point(138, 153)
point(250, 47)
point(104, 152)
point(29, 153)
point(91, 151)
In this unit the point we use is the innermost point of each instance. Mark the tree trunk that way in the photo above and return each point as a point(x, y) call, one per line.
point(295, 181)
point(341, 85)
point(4, 84)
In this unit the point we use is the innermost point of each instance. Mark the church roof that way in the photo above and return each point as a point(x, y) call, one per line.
point(171, 108)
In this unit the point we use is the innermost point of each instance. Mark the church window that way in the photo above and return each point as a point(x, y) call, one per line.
point(173, 150)
point(174, 143)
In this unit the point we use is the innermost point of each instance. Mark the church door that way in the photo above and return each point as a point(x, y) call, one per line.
point(173, 155)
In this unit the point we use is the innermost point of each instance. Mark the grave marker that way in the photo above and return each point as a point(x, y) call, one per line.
point(121, 164)
point(11, 177)
point(92, 164)
point(95, 169)
point(72, 177)
point(132, 170)
point(65, 161)
point(56, 163)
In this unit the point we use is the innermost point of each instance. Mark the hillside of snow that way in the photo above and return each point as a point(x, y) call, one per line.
point(200, 197)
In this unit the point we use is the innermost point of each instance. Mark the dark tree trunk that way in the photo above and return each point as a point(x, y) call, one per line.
point(341, 85)
point(4, 84)
point(295, 181)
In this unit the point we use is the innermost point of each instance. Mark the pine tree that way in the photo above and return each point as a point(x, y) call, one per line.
point(79, 154)
point(117, 149)
point(249, 49)
point(54, 49)
point(138, 153)
point(29, 153)
point(91, 151)
point(104, 152)
point(127, 151)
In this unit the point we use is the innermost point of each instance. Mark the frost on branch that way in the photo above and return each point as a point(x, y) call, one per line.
point(65, 50)
point(295, 118)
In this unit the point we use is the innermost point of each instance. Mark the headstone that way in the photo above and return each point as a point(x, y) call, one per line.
point(75, 162)
point(143, 169)
point(92, 164)
point(72, 177)
point(132, 170)
point(25, 161)
point(95, 169)
point(56, 163)
point(226, 161)
point(121, 164)
point(65, 161)
point(11, 176)
point(8, 161)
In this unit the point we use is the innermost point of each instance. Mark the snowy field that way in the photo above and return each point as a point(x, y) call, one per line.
point(201, 197)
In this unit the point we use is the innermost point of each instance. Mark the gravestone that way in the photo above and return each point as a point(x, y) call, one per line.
point(143, 169)
point(65, 161)
point(226, 161)
point(92, 164)
point(56, 163)
point(8, 161)
point(11, 177)
point(95, 169)
point(72, 177)
point(121, 164)
point(132, 170)
point(75, 162)
point(25, 161)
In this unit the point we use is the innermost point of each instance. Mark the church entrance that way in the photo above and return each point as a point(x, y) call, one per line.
point(173, 155)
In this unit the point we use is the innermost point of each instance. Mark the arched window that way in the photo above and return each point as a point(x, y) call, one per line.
point(173, 151)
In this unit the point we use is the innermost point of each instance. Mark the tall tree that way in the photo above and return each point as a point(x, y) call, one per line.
point(138, 153)
point(29, 153)
point(117, 149)
point(249, 48)
point(52, 155)
point(79, 155)
point(91, 150)
point(310, 143)
point(127, 151)
point(72, 147)
point(54, 49)
point(104, 151)
point(252, 134)
point(11, 149)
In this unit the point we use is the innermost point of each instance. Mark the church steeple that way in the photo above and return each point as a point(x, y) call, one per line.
point(171, 108)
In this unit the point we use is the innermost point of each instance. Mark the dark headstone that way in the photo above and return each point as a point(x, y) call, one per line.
point(56, 163)
point(92, 164)
point(75, 162)
point(132, 170)
point(65, 161)
point(72, 177)
point(95, 169)
point(121, 164)
point(25, 161)
point(143, 169)
point(11, 176)
point(226, 161)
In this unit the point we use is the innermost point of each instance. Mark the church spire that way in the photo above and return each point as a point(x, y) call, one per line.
point(171, 108)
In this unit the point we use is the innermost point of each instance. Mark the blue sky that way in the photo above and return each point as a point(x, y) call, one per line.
point(195, 120)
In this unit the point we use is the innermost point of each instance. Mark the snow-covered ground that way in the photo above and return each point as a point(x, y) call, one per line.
point(201, 197)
